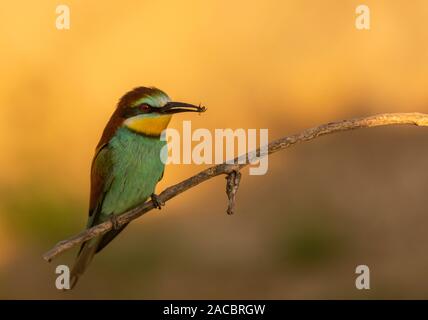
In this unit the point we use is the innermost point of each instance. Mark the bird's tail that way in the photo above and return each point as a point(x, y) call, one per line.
point(84, 258)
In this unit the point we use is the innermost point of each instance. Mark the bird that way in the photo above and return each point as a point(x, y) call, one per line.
point(127, 164)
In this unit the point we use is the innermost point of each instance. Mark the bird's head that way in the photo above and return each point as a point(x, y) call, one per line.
point(149, 110)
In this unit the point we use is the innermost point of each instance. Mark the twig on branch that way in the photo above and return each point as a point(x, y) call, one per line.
point(233, 179)
point(232, 170)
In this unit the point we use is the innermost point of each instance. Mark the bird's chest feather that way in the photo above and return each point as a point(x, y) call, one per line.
point(137, 168)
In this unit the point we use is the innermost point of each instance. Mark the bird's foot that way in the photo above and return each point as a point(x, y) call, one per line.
point(158, 203)
point(114, 222)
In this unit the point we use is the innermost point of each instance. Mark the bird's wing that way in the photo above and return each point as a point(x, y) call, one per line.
point(102, 169)
point(101, 179)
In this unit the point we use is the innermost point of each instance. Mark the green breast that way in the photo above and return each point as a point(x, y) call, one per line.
point(137, 168)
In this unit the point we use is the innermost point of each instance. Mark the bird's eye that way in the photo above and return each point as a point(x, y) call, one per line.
point(144, 107)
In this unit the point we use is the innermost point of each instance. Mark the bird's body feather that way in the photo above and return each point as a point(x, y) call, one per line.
point(136, 169)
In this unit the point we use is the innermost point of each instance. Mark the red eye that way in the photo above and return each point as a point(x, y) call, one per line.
point(144, 107)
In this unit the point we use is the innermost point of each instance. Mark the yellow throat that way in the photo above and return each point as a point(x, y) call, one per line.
point(149, 126)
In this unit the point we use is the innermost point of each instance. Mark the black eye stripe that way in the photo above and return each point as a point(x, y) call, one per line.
point(134, 111)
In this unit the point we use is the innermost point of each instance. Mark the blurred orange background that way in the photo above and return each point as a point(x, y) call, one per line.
point(299, 231)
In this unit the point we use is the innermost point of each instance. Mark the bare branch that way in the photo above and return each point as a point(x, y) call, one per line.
point(232, 170)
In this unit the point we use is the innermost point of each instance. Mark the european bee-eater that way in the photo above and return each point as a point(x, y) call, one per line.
point(127, 163)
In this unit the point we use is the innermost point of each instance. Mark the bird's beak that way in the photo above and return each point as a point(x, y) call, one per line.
point(176, 107)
